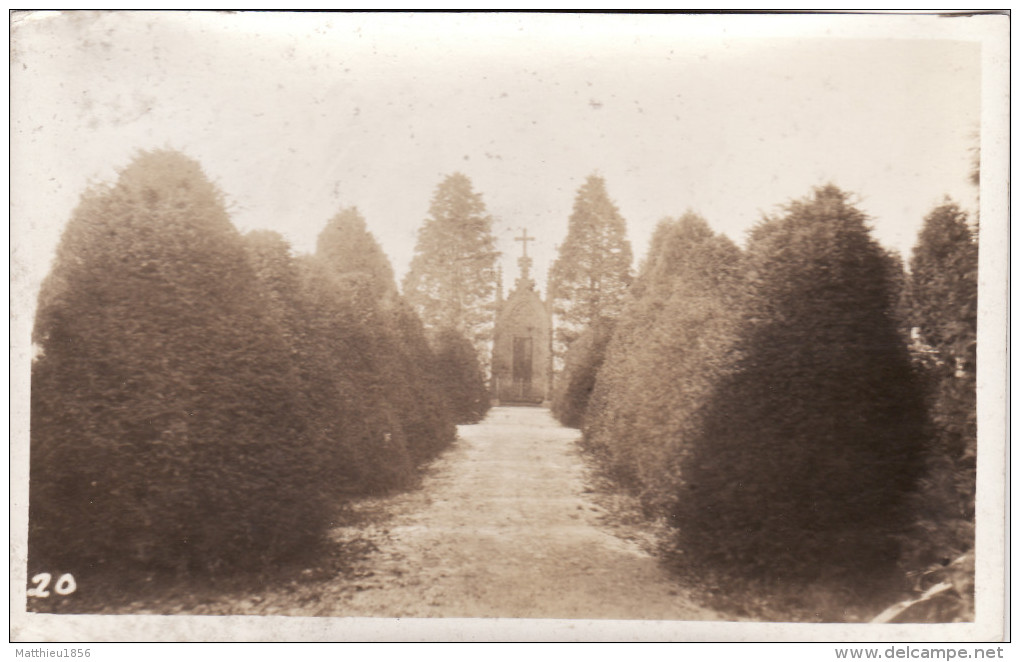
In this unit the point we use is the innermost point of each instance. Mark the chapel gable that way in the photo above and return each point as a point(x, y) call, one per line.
point(522, 342)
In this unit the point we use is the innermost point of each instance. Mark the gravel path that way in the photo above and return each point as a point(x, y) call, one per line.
point(502, 529)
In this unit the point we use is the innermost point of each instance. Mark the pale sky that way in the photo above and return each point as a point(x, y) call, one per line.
point(297, 116)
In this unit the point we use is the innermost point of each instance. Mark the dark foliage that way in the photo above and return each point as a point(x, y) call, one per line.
point(589, 279)
point(346, 245)
point(574, 385)
point(670, 347)
point(165, 425)
point(808, 450)
point(452, 277)
point(413, 385)
point(333, 347)
point(461, 376)
point(943, 287)
point(942, 297)
point(400, 365)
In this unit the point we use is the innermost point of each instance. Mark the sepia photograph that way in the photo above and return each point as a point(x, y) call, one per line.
point(501, 326)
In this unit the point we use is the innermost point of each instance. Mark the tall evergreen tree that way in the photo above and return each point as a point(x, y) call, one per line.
point(807, 450)
point(165, 426)
point(452, 276)
point(942, 295)
point(943, 286)
point(589, 278)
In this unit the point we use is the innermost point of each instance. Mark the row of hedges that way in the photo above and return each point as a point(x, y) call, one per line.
point(205, 401)
point(766, 406)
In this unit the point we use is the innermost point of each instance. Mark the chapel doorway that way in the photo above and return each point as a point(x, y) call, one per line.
point(522, 367)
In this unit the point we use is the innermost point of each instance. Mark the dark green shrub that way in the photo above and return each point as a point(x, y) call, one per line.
point(347, 247)
point(670, 347)
point(807, 451)
point(362, 448)
point(351, 338)
point(414, 386)
point(941, 297)
point(402, 365)
point(165, 429)
point(461, 376)
point(573, 387)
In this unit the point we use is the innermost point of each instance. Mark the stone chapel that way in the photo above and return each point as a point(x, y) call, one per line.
point(522, 341)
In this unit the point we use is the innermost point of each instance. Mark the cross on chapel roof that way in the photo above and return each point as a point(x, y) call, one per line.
point(524, 239)
point(524, 261)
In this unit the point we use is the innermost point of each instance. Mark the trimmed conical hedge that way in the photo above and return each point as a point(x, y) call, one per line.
point(403, 368)
point(808, 449)
point(670, 347)
point(581, 364)
point(461, 377)
point(165, 425)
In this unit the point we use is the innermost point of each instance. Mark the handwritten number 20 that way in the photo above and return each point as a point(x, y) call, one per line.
point(65, 585)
